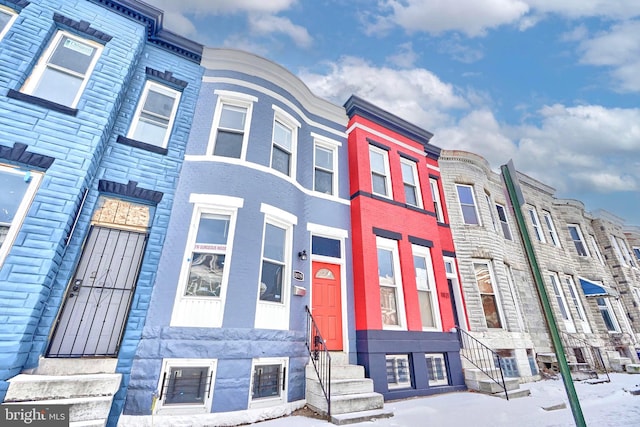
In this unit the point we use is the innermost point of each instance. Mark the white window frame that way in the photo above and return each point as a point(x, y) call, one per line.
point(164, 90)
point(580, 239)
point(387, 171)
point(626, 252)
point(475, 204)
point(607, 307)
point(551, 228)
point(596, 249)
point(237, 100)
point(392, 246)
point(287, 121)
point(416, 181)
point(23, 207)
point(33, 81)
point(577, 304)
point(491, 214)
point(205, 311)
point(265, 402)
point(437, 200)
point(184, 409)
point(636, 251)
point(429, 287)
point(430, 359)
point(451, 272)
point(617, 249)
point(561, 301)
point(514, 297)
point(496, 292)
point(329, 146)
point(535, 223)
point(394, 359)
point(275, 314)
point(506, 228)
point(13, 15)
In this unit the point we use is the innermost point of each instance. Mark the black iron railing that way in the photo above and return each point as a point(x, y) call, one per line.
point(483, 358)
point(584, 353)
point(320, 358)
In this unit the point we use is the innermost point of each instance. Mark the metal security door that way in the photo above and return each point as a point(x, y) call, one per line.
point(99, 296)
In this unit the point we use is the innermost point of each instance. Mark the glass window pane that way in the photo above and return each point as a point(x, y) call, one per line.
point(212, 230)
point(266, 381)
point(4, 19)
point(228, 144)
point(469, 215)
point(422, 280)
point(426, 309)
point(465, 195)
point(72, 55)
point(271, 282)
point(159, 104)
point(280, 160)
point(379, 184)
point(187, 386)
point(323, 181)
point(324, 158)
point(410, 195)
point(205, 275)
point(274, 242)
point(385, 267)
point(58, 87)
point(12, 190)
point(233, 117)
point(325, 246)
point(150, 132)
point(282, 136)
point(389, 306)
point(407, 173)
point(490, 308)
point(377, 162)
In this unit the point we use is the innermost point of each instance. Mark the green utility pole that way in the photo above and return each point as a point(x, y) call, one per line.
point(517, 200)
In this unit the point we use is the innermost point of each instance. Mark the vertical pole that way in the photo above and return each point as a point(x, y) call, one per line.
point(578, 417)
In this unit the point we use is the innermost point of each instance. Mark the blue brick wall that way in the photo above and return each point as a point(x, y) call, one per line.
point(34, 276)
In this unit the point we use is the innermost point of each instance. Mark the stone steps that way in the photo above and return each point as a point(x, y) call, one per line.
point(28, 388)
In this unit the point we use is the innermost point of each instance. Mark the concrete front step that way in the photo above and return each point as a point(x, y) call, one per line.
point(338, 371)
point(515, 394)
point(490, 386)
point(92, 410)
point(344, 404)
point(339, 358)
point(28, 388)
point(342, 387)
point(476, 374)
point(76, 366)
point(362, 416)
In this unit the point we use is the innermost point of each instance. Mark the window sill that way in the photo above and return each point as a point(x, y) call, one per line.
point(142, 145)
point(14, 94)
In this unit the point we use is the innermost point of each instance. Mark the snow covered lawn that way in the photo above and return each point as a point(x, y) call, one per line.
point(603, 405)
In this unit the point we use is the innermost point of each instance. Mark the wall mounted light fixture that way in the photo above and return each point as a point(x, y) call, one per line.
point(302, 255)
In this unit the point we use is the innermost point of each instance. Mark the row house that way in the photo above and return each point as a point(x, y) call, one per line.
point(260, 231)
point(97, 103)
point(502, 305)
point(407, 295)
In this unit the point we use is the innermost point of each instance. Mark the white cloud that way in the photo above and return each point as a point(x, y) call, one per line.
point(405, 58)
point(612, 9)
point(264, 24)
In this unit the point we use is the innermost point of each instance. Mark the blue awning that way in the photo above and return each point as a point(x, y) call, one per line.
point(591, 289)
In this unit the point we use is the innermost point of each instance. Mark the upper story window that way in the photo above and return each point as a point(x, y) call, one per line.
point(636, 251)
point(380, 175)
point(155, 114)
point(411, 183)
point(488, 294)
point(426, 285)
point(607, 314)
point(596, 249)
point(493, 217)
point(537, 229)
point(390, 280)
point(504, 222)
point(7, 16)
point(231, 122)
point(17, 189)
point(437, 201)
point(63, 70)
point(626, 252)
point(578, 240)
point(551, 229)
point(562, 302)
point(285, 137)
point(468, 204)
point(324, 167)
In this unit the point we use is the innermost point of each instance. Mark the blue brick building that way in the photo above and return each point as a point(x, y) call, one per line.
point(96, 104)
point(259, 230)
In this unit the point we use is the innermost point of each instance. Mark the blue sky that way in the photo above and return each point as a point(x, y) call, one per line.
point(552, 84)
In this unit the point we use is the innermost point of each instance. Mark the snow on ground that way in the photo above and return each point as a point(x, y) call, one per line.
point(603, 405)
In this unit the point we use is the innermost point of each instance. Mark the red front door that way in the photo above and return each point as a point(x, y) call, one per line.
point(326, 303)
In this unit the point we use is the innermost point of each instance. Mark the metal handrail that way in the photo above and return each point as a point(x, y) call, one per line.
point(593, 357)
point(480, 356)
point(320, 357)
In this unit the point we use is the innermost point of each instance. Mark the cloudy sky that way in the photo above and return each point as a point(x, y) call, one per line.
point(552, 84)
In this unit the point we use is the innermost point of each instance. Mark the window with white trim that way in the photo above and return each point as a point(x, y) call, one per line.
point(625, 251)
point(17, 189)
point(493, 217)
point(390, 280)
point(636, 251)
point(488, 294)
point(268, 382)
point(380, 174)
point(537, 229)
point(274, 266)
point(231, 122)
point(468, 204)
point(186, 386)
point(437, 201)
point(284, 143)
point(576, 235)
point(7, 17)
point(562, 302)
point(609, 318)
point(459, 315)
point(398, 371)
point(155, 114)
point(504, 221)
point(551, 229)
point(596, 249)
point(63, 70)
point(618, 251)
point(514, 297)
point(325, 166)
point(577, 303)
point(425, 283)
point(411, 183)
point(437, 369)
